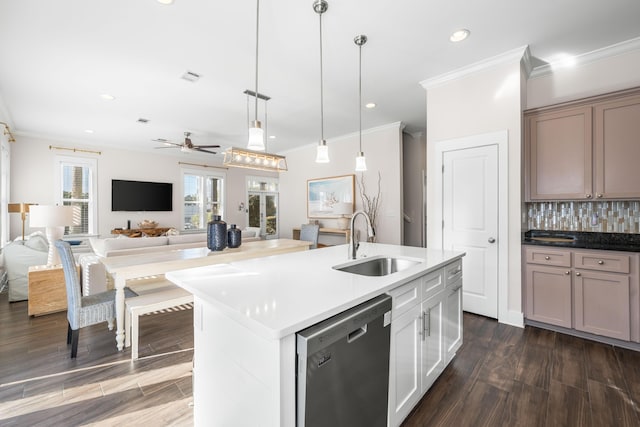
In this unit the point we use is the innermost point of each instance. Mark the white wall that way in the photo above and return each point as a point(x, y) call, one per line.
point(488, 100)
point(32, 171)
point(382, 148)
point(593, 78)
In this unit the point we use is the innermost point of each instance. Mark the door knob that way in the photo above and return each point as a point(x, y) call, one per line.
point(491, 240)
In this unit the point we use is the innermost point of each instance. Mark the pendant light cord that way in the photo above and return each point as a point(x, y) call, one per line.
point(360, 92)
point(257, 28)
point(321, 87)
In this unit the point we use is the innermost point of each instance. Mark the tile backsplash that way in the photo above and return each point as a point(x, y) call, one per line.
point(607, 217)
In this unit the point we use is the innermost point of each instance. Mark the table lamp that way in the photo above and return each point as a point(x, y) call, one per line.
point(22, 209)
point(54, 219)
point(343, 210)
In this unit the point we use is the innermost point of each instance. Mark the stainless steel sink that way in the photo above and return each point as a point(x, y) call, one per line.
point(377, 266)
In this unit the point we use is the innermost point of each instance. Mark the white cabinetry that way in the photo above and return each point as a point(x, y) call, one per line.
point(426, 331)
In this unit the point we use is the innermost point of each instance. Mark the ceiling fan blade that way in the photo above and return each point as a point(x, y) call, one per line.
point(206, 146)
point(169, 146)
point(204, 151)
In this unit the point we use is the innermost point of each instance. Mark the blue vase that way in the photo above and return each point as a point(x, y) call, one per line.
point(216, 234)
point(234, 236)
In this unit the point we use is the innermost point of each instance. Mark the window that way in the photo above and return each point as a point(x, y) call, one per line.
point(262, 205)
point(76, 178)
point(203, 198)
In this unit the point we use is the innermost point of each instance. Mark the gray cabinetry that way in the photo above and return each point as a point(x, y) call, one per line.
point(584, 150)
point(558, 153)
point(603, 299)
point(617, 148)
point(590, 291)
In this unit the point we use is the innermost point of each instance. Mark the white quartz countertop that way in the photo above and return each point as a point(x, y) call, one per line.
point(279, 295)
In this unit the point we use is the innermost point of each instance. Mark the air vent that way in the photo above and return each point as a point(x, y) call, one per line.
point(142, 120)
point(190, 76)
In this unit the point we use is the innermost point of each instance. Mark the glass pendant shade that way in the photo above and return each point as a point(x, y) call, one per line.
point(322, 154)
point(361, 162)
point(256, 137)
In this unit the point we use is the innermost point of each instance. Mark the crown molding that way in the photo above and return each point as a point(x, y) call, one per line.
point(506, 57)
point(621, 48)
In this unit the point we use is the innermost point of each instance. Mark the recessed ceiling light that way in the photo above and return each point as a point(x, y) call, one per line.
point(272, 137)
point(370, 105)
point(165, 1)
point(459, 35)
point(107, 97)
point(88, 130)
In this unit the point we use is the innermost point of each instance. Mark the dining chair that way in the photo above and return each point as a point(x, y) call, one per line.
point(84, 310)
point(309, 233)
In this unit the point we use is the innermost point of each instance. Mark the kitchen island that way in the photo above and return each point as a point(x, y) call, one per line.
point(247, 314)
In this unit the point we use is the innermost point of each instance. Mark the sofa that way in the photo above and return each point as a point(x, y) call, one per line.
point(94, 274)
point(16, 259)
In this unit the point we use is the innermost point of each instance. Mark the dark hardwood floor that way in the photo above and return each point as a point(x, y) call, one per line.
point(507, 376)
point(502, 376)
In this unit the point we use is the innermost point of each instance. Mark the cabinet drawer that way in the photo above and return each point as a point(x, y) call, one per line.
point(544, 256)
point(453, 272)
point(602, 261)
point(433, 283)
point(404, 297)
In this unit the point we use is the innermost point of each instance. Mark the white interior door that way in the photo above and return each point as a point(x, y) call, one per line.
point(470, 222)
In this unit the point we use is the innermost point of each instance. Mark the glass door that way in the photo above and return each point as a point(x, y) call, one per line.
point(263, 213)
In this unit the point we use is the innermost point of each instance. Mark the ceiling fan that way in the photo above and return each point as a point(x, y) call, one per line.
point(187, 145)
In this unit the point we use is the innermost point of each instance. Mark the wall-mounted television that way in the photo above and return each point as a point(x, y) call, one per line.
point(137, 196)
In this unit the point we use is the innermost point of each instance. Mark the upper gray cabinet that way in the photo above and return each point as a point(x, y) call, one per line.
point(584, 151)
point(617, 148)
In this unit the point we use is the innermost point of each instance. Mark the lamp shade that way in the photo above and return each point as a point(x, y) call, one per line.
point(256, 137)
point(54, 219)
point(361, 163)
point(50, 216)
point(322, 153)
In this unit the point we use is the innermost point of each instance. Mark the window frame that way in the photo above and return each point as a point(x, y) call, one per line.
point(204, 175)
point(92, 164)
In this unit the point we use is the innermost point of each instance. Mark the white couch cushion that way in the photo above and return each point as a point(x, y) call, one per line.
point(104, 247)
point(188, 238)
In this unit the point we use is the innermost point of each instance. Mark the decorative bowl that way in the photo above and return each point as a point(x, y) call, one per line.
point(147, 224)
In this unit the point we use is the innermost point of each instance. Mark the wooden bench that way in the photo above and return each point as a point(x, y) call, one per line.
point(154, 294)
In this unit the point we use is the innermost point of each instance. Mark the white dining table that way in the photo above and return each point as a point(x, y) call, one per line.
point(127, 267)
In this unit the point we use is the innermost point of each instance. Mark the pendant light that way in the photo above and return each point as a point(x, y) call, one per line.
point(361, 164)
point(322, 154)
point(256, 134)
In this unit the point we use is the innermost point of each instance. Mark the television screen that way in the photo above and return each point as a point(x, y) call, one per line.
point(141, 196)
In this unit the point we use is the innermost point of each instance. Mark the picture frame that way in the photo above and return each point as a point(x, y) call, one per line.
point(328, 197)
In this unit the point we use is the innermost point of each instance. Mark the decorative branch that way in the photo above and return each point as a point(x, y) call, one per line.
point(370, 204)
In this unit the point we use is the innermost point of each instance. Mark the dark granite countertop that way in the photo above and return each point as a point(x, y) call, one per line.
point(583, 240)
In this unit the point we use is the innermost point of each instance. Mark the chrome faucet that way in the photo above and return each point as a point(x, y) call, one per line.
point(353, 243)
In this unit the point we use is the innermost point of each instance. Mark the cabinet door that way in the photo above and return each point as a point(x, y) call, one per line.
point(404, 364)
point(432, 340)
point(617, 149)
point(453, 320)
point(558, 148)
point(602, 304)
point(548, 294)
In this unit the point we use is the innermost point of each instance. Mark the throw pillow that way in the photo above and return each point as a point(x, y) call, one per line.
point(37, 242)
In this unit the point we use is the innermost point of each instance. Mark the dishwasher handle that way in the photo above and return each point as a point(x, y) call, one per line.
point(354, 335)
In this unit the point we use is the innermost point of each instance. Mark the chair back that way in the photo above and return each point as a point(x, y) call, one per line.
point(72, 283)
point(309, 233)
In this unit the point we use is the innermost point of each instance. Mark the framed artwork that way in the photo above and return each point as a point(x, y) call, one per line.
point(330, 197)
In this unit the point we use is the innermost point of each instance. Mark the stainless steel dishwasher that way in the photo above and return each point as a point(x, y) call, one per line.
point(342, 368)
